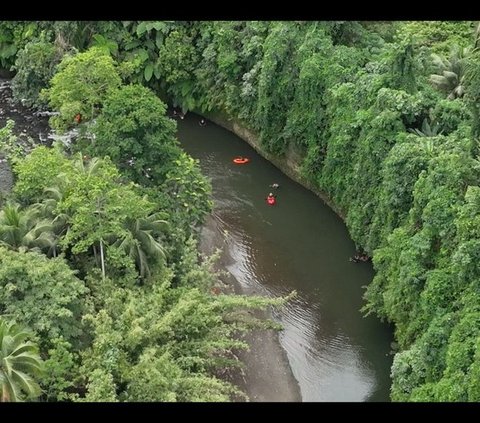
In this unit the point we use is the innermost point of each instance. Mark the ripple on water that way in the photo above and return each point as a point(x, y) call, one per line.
point(323, 358)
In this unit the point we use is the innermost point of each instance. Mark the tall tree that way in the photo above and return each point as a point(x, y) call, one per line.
point(81, 86)
point(135, 133)
point(404, 67)
point(42, 294)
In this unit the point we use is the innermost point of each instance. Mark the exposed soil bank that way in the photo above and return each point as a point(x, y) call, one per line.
point(6, 178)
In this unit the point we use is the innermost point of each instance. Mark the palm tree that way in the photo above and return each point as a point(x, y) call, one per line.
point(58, 221)
point(428, 129)
point(140, 241)
point(451, 76)
point(24, 229)
point(19, 360)
point(89, 166)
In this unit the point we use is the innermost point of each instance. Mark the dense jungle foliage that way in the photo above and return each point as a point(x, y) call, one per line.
point(386, 116)
point(104, 295)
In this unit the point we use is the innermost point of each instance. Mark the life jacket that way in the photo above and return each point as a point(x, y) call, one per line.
point(271, 200)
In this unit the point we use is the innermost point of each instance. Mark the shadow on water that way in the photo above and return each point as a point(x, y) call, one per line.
point(335, 353)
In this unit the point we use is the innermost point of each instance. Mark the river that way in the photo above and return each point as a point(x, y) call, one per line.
point(299, 244)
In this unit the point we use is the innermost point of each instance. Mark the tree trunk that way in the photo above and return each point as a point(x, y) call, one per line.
point(5, 397)
point(102, 260)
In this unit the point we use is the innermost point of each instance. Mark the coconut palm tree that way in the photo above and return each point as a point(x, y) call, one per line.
point(140, 241)
point(24, 229)
point(91, 166)
point(450, 78)
point(19, 361)
point(88, 166)
point(47, 209)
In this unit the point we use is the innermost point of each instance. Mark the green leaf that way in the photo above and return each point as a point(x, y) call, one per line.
point(141, 28)
point(159, 25)
point(149, 44)
point(148, 72)
point(132, 44)
point(185, 88)
point(159, 40)
point(156, 71)
point(30, 29)
point(100, 39)
point(113, 46)
point(143, 54)
point(8, 51)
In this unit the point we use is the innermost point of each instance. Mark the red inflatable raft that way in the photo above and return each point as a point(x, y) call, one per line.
point(240, 160)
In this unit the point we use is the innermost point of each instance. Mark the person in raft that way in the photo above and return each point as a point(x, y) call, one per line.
point(360, 257)
point(271, 200)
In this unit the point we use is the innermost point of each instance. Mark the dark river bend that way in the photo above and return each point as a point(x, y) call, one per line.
point(299, 244)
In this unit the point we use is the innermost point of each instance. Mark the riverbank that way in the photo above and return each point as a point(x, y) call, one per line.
point(267, 376)
point(31, 128)
point(6, 178)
